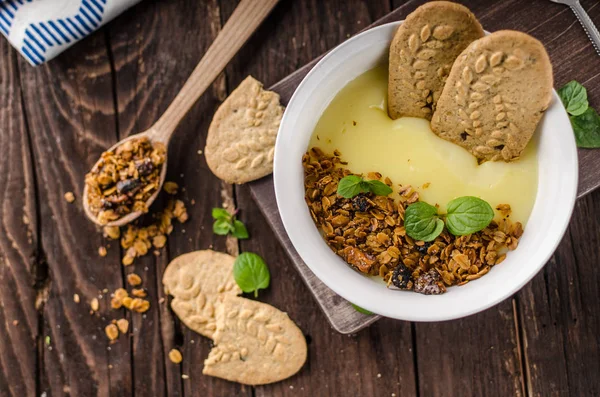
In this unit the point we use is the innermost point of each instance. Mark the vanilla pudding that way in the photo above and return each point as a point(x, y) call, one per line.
point(409, 153)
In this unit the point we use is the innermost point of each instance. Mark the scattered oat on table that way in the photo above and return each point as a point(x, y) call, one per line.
point(94, 304)
point(70, 197)
point(102, 251)
point(171, 187)
point(112, 332)
point(123, 325)
point(175, 356)
point(133, 279)
point(76, 298)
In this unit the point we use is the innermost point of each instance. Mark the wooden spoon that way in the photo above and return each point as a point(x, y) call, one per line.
point(245, 19)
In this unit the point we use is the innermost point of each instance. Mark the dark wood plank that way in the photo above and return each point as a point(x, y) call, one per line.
point(19, 266)
point(155, 47)
point(559, 312)
point(69, 104)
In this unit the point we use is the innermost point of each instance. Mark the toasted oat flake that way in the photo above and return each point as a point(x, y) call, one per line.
point(111, 331)
point(175, 356)
point(133, 279)
point(94, 304)
point(171, 187)
point(70, 197)
point(102, 251)
point(139, 292)
point(123, 325)
point(76, 298)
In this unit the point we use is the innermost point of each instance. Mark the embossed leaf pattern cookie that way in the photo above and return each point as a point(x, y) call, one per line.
point(422, 53)
point(255, 343)
point(197, 281)
point(497, 91)
point(241, 138)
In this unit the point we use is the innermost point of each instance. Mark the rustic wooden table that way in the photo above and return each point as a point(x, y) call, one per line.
point(55, 120)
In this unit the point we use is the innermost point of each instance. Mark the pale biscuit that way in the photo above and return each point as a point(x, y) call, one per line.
point(241, 138)
point(496, 94)
point(196, 281)
point(255, 343)
point(422, 53)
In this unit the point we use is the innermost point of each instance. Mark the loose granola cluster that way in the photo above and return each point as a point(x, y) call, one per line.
point(368, 232)
point(123, 180)
point(138, 240)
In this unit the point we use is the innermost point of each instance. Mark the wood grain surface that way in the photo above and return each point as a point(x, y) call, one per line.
point(56, 119)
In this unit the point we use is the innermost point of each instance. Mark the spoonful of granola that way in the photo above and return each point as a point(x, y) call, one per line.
point(127, 178)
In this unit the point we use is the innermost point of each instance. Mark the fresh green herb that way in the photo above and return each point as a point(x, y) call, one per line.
point(586, 127)
point(468, 215)
point(226, 223)
point(361, 310)
point(465, 215)
point(251, 273)
point(379, 188)
point(422, 222)
point(47, 340)
point(574, 96)
point(239, 230)
point(584, 119)
point(351, 185)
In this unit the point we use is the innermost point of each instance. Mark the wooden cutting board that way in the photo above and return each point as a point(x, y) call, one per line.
point(338, 311)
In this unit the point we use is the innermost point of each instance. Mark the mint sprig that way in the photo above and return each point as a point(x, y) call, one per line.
point(352, 185)
point(251, 273)
point(584, 119)
point(464, 215)
point(226, 223)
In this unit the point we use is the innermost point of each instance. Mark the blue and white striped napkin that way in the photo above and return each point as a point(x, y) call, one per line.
point(42, 29)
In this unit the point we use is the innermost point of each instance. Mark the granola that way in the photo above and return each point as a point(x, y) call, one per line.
point(123, 180)
point(368, 232)
point(138, 240)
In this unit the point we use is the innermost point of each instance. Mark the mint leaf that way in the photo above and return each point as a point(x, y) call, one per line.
point(239, 230)
point(251, 273)
point(422, 222)
point(351, 185)
point(379, 188)
point(222, 227)
point(468, 215)
point(574, 96)
point(220, 213)
point(586, 127)
point(361, 310)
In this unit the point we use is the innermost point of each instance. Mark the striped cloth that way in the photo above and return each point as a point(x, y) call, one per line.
point(42, 29)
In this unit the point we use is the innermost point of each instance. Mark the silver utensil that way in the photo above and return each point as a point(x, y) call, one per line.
point(585, 21)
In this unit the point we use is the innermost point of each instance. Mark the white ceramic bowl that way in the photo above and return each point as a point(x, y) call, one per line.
point(557, 187)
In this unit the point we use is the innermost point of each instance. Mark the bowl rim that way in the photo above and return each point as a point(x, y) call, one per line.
point(296, 237)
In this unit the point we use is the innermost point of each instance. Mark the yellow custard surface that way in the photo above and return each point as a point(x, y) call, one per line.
point(409, 153)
